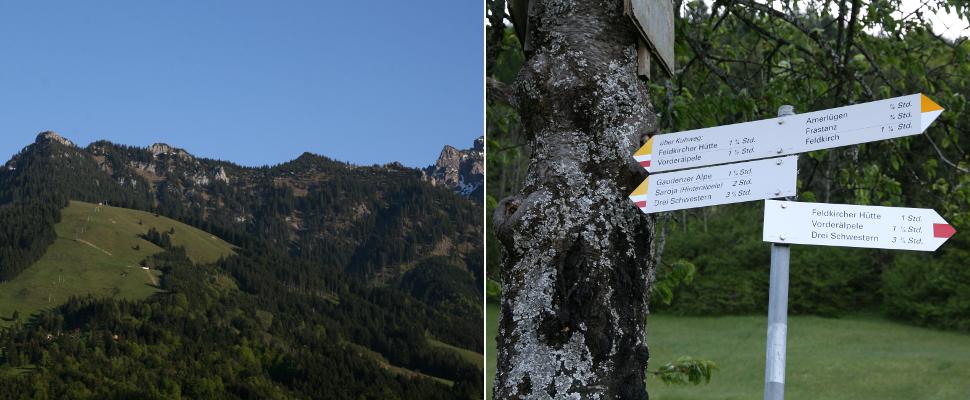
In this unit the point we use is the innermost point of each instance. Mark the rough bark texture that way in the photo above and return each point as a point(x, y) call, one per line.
point(578, 270)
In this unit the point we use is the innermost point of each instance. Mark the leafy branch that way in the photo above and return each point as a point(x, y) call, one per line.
point(681, 272)
point(685, 370)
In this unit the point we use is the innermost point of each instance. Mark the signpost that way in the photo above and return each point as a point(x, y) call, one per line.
point(896, 228)
point(787, 222)
point(722, 184)
point(835, 127)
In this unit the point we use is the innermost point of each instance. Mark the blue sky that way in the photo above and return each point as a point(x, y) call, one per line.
point(254, 82)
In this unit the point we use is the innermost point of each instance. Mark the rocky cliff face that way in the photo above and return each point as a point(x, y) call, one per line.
point(54, 137)
point(460, 170)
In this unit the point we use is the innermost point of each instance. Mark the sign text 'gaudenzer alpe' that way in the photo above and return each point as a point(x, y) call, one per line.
point(835, 127)
point(721, 184)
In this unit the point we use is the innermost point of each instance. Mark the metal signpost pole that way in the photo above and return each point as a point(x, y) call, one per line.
point(777, 310)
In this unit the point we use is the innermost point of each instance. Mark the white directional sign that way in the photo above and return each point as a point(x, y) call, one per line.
point(835, 127)
point(897, 228)
point(723, 184)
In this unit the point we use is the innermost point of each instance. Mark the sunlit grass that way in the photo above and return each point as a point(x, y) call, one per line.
point(855, 358)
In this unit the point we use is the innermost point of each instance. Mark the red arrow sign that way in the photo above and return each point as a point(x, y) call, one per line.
point(943, 231)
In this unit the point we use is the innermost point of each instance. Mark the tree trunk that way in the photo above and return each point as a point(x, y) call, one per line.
point(577, 271)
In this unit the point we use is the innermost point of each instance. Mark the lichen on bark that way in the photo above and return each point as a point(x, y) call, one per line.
point(577, 271)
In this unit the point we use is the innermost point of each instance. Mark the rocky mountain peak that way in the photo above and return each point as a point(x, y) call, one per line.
point(51, 136)
point(461, 170)
point(449, 156)
point(158, 149)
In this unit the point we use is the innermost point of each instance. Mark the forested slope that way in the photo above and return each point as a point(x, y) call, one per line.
point(330, 257)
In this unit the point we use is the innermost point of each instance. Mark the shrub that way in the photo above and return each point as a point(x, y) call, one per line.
point(930, 289)
point(831, 281)
point(731, 263)
point(733, 267)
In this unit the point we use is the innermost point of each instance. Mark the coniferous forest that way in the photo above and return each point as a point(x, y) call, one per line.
point(343, 276)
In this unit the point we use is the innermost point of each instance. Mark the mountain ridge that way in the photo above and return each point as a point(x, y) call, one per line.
point(373, 255)
point(459, 169)
point(162, 173)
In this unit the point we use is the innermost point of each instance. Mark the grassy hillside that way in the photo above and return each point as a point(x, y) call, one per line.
point(467, 355)
point(384, 363)
point(855, 358)
point(97, 251)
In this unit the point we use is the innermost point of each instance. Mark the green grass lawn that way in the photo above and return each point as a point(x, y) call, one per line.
point(95, 253)
point(848, 358)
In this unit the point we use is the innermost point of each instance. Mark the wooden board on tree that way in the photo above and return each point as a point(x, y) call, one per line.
point(655, 21)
